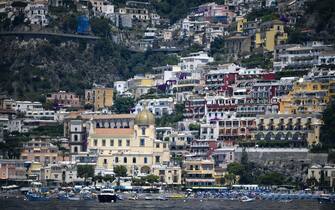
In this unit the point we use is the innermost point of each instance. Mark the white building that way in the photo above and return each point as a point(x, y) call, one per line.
point(102, 7)
point(192, 61)
point(41, 114)
point(327, 58)
point(159, 107)
point(37, 14)
point(16, 125)
point(24, 106)
point(209, 131)
point(121, 86)
point(298, 56)
point(63, 172)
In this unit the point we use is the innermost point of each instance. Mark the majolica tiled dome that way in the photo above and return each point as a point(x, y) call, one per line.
point(145, 117)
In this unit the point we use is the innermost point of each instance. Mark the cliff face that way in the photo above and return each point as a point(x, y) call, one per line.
point(38, 66)
point(34, 67)
point(319, 18)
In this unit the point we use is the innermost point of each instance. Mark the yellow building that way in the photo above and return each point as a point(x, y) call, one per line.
point(270, 34)
point(299, 129)
point(199, 172)
point(40, 150)
point(240, 22)
point(305, 97)
point(135, 147)
point(139, 85)
point(99, 97)
point(170, 175)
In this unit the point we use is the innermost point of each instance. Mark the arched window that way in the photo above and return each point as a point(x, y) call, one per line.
point(75, 137)
point(134, 159)
point(125, 159)
point(143, 131)
point(75, 149)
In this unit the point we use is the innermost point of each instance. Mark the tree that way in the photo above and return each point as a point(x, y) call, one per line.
point(85, 171)
point(151, 178)
point(123, 105)
point(230, 179)
point(244, 158)
point(100, 27)
point(194, 127)
point(172, 119)
point(120, 171)
point(327, 133)
point(272, 178)
point(235, 168)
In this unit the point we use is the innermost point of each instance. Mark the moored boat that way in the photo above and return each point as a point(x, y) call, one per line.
point(246, 199)
point(107, 196)
point(31, 196)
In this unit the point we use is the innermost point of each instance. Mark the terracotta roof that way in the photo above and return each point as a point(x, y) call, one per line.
point(74, 115)
point(113, 131)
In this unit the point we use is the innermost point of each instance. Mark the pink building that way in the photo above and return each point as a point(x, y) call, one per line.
point(12, 169)
point(64, 99)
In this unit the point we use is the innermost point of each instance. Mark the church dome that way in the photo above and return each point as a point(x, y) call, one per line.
point(145, 117)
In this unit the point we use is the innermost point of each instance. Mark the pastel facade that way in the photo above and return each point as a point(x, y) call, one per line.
point(135, 147)
point(305, 97)
point(302, 129)
point(199, 173)
point(64, 99)
point(99, 97)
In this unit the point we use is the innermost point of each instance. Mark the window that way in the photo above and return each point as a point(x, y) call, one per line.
point(134, 159)
point(143, 131)
point(142, 143)
point(145, 160)
point(120, 142)
point(157, 159)
point(75, 137)
point(103, 142)
point(125, 159)
point(105, 161)
point(116, 159)
point(95, 142)
point(157, 145)
point(128, 142)
point(112, 142)
point(164, 145)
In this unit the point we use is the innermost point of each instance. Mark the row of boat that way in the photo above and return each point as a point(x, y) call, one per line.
point(109, 195)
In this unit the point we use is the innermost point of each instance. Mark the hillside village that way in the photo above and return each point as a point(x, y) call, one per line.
point(235, 98)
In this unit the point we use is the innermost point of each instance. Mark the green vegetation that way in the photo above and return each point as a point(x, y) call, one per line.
point(50, 130)
point(250, 173)
point(194, 127)
point(122, 105)
point(257, 60)
point(73, 67)
point(263, 14)
point(101, 27)
point(271, 178)
point(11, 147)
point(120, 171)
point(327, 132)
point(281, 74)
point(106, 178)
point(171, 119)
point(145, 181)
point(323, 13)
point(85, 171)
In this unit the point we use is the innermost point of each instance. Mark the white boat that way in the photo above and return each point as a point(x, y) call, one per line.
point(246, 199)
point(107, 196)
